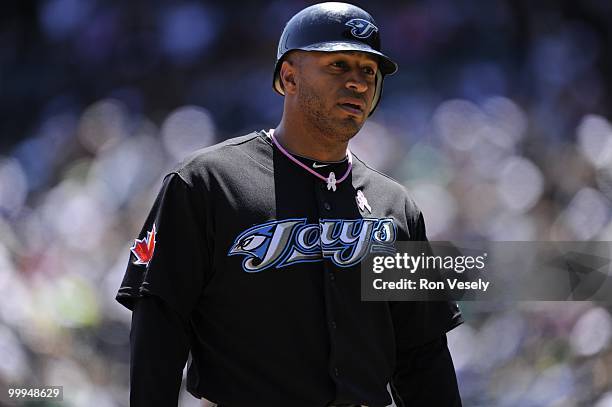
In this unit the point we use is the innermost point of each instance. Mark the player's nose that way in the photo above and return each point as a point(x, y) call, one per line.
point(356, 82)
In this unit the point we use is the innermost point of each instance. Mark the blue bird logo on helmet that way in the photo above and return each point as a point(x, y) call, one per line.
point(361, 28)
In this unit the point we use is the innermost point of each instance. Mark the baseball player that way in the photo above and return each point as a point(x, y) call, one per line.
point(250, 257)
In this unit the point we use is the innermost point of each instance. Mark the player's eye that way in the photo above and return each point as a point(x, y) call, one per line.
point(369, 71)
point(339, 64)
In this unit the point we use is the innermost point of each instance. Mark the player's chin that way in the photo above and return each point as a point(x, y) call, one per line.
point(348, 127)
point(355, 122)
point(354, 118)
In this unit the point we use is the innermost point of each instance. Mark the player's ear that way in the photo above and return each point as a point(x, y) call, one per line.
point(287, 75)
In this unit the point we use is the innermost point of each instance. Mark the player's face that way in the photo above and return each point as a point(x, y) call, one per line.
point(335, 90)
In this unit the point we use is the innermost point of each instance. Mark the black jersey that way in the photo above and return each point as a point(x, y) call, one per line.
point(262, 259)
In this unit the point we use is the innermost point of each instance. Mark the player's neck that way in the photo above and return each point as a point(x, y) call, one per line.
point(308, 143)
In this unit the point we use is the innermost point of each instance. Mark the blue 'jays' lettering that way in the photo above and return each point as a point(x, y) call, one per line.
point(283, 242)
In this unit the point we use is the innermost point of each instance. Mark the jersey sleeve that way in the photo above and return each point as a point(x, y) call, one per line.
point(419, 322)
point(168, 259)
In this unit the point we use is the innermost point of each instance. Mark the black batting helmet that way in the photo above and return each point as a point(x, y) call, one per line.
point(333, 27)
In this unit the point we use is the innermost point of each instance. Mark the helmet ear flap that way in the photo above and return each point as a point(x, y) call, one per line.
point(278, 84)
point(377, 92)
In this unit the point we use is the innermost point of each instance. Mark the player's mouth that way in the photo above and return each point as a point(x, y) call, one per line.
point(353, 106)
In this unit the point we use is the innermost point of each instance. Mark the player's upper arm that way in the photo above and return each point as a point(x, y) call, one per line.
point(169, 257)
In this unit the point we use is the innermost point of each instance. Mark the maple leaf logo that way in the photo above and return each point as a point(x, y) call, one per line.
point(143, 248)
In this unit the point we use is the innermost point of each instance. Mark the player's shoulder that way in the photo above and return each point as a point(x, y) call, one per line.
point(223, 150)
point(384, 186)
point(374, 174)
point(219, 156)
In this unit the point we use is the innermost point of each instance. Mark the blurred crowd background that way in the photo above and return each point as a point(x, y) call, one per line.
point(498, 122)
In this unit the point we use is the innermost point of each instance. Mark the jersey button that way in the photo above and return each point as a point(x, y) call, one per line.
point(327, 206)
point(332, 277)
point(333, 325)
point(336, 372)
